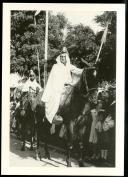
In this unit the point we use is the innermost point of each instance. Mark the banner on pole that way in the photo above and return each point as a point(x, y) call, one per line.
point(103, 40)
point(37, 12)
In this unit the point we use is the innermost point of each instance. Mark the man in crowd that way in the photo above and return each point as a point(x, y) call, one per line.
point(31, 84)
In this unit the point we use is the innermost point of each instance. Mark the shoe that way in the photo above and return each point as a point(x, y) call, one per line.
point(57, 119)
point(93, 157)
point(87, 158)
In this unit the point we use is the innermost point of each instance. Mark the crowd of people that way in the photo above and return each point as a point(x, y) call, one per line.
point(99, 134)
point(100, 119)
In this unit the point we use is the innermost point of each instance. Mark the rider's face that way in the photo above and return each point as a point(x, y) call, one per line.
point(32, 77)
point(63, 59)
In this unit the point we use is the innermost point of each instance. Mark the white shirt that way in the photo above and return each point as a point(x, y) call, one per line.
point(31, 84)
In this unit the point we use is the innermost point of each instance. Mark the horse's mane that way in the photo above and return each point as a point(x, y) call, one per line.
point(80, 87)
point(87, 81)
point(31, 100)
point(78, 100)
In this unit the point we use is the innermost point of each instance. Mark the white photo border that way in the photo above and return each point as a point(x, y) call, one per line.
point(120, 82)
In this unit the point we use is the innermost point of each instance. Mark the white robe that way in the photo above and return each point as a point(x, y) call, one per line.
point(59, 76)
point(33, 84)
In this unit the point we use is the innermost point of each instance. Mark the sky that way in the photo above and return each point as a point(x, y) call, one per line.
point(84, 17)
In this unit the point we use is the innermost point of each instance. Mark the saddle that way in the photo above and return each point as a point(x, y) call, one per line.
point(64, 100)
point(65, 96)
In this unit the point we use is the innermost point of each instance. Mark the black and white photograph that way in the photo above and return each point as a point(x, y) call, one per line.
point(63, 89)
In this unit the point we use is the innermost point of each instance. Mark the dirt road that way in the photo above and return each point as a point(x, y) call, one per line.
point(26, 158)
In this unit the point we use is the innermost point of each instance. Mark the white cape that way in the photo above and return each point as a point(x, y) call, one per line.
point(59, 75)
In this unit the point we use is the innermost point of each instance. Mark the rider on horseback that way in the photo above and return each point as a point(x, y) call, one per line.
point(59, 81)
point(31, 84)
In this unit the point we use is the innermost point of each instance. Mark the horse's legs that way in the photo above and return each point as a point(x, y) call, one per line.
point(47, 154)
point(68, 158)
point(31, 147)
point(81, 146)
point(32, 135)
point(37, 138)
point(81, 149)
point(46, 133)
point(23, 134)
point(23, 145)
point(18, 124)
point(70, 132)
point(45, 127)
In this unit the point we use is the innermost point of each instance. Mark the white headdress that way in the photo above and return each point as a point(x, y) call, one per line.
point(67, 63)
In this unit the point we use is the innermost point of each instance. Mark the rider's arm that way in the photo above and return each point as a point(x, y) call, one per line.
point(76, 70)
point(39, 87)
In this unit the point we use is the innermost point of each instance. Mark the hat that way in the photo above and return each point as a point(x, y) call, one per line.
point(64, 50)
point(32, 72)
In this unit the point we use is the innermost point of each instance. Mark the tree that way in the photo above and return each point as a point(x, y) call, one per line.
point(55, 36)
point(108, 52)
point(23, 40)
point(80, 42)
point(27, 38)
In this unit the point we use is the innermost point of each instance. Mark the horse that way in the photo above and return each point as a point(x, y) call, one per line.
point(15, 102)
point(25, 117)
point(76, 102)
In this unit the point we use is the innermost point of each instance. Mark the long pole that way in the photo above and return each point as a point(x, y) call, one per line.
point(102, 42)
point(38, 66)
point(46, 49)
point(99, 52)
point(37, 57)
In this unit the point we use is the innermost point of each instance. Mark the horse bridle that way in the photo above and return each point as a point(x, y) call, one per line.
point(87, 88)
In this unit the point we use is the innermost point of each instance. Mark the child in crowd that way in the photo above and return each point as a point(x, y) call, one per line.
point(103, 126)
point(107, 125)
point(100, 137)
point(93, 133)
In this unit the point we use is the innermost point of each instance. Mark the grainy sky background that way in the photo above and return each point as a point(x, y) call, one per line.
point(84, 17)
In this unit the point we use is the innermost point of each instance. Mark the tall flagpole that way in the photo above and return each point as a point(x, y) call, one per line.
point(38, 65)
point(103, 40)
point(99, 52)
point(46, 49)
point(37, 12)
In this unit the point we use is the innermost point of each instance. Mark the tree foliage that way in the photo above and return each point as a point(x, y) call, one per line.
point(108, 52)
point(80, 42)
point(27, 37)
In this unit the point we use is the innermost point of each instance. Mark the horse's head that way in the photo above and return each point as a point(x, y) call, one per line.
point(24, 104)
point(32, 97)
point(88, 81)
point(24, 100)
point(17, 94)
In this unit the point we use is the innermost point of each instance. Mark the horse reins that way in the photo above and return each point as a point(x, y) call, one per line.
point(87, 88)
